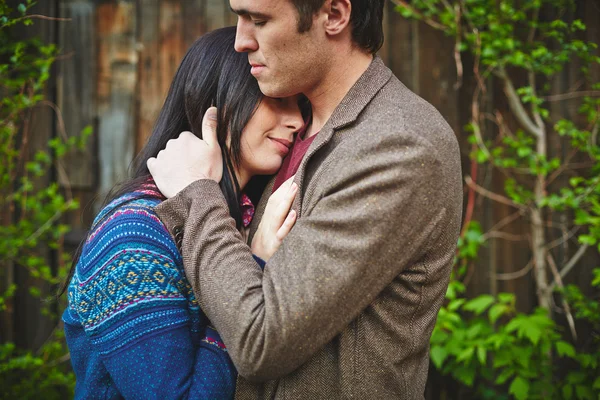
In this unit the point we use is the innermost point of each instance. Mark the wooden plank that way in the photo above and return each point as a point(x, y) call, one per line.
point(216, 16)
point(116, 82)
point(194, 21)
point(384, 52)
point(171, 46)
point(31, 328)
point(230, 17)
point(76, 87)
point(437, 73)
point(149, 93)
point(400, 48)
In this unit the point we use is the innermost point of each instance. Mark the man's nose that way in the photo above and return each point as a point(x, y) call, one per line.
point(244, 41)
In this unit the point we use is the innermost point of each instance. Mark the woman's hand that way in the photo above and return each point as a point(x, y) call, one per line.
point(276, 222)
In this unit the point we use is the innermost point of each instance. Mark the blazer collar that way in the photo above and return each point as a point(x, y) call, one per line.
point(355, 101)
point(361, 93)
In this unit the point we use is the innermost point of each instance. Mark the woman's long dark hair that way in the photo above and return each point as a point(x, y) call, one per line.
point(212, 73)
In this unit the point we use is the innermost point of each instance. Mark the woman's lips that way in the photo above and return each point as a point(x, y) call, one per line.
point(257, 69)
point(282, 145)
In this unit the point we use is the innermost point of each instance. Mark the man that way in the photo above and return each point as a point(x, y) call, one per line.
point(346, 306)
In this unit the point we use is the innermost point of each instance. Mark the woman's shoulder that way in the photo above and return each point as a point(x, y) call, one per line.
point(147, 197)
point(127, 225)
point(128, 266)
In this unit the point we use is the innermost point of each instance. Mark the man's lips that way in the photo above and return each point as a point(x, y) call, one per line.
point(282, 145)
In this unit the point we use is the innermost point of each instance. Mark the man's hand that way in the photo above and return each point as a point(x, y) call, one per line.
point(188, 159)
point(277, 221)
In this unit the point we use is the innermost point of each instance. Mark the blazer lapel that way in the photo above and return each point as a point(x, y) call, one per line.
point(355, 101)
point(359, 96)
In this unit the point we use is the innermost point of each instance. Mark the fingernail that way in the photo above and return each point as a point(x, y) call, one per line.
point(212, 113)
point(294, 186)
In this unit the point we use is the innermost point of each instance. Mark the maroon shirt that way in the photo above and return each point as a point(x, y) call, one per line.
point(292, 161)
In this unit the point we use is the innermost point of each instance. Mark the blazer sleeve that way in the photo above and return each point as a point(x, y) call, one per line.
point(135, 310)
point(378, 214)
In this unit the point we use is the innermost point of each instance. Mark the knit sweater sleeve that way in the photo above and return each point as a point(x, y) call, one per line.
point(140, 314)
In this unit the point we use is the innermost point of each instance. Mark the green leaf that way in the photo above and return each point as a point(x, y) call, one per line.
point(587, 239)
point(506, 298)
point(519, 388)
point(532, 332)
point(481, 355)
point(465, 374)
point(496, 311)
point(504, 376)
point(22, 9)
point(523, 151)
point(479, 304)
point(438, 356)
point(583, 392)
point(455, 304)
point(567, 392)
point(565, 349)
point(596, 280)
point(405, 12)
point(466, 355)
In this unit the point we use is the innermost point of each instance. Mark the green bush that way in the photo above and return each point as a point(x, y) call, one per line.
point(484, 343)
point(31, 211)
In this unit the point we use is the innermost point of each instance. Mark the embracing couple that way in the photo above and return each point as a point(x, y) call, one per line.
point(330, 288)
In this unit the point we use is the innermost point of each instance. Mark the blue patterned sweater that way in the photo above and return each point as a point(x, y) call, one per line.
point(133, 325)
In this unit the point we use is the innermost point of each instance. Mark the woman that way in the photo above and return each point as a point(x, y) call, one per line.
point(133, 325)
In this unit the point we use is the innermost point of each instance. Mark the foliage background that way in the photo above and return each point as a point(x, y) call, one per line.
point(516, 80)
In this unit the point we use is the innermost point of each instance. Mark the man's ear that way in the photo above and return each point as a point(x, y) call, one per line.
point(338, 16)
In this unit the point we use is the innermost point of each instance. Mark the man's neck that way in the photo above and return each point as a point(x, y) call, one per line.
point(334, 86)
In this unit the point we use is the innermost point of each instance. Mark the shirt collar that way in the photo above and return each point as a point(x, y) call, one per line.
point(247, 210)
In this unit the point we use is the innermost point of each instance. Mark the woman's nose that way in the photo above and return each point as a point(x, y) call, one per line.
point(293, 119)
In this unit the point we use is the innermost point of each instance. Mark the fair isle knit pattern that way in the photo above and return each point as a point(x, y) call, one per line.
point(130, 297)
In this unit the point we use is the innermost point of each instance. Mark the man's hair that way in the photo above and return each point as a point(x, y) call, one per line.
point(366, 20)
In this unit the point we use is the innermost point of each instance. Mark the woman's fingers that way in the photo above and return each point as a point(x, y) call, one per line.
point(281, 202)
point(287, 226)
point(284, 205)
point(277, 221)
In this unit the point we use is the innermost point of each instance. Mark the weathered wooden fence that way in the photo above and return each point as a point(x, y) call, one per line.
point(119, 58)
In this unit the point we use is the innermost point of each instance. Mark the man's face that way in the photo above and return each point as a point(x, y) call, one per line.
point(283, 61)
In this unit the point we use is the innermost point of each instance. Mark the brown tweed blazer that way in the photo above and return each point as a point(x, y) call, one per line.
point(346, 307)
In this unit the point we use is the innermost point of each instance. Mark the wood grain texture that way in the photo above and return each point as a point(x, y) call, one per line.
point(76, 72)
point(149, 91)
point(117, 76)
point(30, 328)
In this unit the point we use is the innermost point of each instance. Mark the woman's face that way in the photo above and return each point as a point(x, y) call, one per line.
point(268, 136)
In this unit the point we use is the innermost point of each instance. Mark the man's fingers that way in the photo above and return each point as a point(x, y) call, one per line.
point(287, 226)
point(150, 163)
point(186, 135)
point(209, 127)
